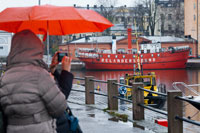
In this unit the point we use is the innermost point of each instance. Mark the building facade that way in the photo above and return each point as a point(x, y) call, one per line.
point(192, 21)
point(5, 43)
point(170, 18)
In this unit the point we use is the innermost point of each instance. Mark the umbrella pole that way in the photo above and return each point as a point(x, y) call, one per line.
point(48, 44)
point(47, 48)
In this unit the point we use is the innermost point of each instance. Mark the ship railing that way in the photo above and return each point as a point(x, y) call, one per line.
point(87, 54)
point(179, 48)
point(178, 85)
point(174, 101)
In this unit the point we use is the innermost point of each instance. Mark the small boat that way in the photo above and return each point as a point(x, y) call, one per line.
point(149, 81)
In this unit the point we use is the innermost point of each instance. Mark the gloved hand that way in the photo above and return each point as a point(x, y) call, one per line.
point(54, 63)
point(66, 63)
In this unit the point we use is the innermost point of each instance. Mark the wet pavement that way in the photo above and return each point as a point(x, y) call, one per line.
point(93, 119)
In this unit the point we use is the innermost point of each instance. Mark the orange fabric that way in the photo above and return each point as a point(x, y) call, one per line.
point(57, 20)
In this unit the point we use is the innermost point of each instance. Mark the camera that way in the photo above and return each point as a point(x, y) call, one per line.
point(61, 55)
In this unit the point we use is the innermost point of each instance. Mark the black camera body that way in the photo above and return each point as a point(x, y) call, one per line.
point(61, 55)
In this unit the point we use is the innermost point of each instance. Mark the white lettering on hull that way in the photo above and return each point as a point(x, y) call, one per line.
point(105, 60)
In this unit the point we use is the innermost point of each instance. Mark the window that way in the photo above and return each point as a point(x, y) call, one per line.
point(163, 49)
point(1, 47)
point(158, 55)
point(129, 19)
point(169, 27)
point(116, 56)
point(169, 5)
point(108, 56)
point(147, 81)
point(134, 50)
point(124, 56)
point(121, 50)
point(151, 55)
point(169, 16)
point(194, 6)
point(133, 56)
point(162, 17)
point(117, 19)
point(122, 19)
point(141, 56)
point(3, 41)
point(190, 52)
point(194, 17)
point(177, 17)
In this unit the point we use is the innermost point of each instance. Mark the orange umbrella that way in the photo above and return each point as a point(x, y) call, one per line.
point(56, 20)
point(52, 20)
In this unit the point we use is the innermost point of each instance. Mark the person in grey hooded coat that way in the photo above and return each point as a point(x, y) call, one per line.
point(29, 96)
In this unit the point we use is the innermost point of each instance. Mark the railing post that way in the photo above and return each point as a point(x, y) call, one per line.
point(175, 108)
point(137, 98)
point(112, 91)
point(89, 86)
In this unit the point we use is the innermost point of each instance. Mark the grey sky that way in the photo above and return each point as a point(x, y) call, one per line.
point(19, 3)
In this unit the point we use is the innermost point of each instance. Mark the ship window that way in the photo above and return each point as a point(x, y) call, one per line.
point(108, 56)
point(153, 81)
point(141, 56)
point(116, 56)
point(133, 56)
point(151, 55)
point(124, 56)
point(158, 55)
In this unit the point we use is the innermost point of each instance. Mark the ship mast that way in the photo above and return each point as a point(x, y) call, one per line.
point(137, 45)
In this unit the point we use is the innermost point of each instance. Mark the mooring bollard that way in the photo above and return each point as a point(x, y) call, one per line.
point(89, 87)
point(175, 108)
point(112, 91)
point(137, 98)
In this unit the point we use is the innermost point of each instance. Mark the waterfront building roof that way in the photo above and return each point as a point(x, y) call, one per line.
point(161, 39)
point(108, 39)
point(99, 39)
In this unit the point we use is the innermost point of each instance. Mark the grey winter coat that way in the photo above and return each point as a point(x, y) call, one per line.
point(28, 94)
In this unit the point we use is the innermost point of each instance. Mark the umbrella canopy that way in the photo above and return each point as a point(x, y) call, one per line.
point(56, 20)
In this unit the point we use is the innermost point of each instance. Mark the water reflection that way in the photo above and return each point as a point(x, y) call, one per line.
point(166, 77)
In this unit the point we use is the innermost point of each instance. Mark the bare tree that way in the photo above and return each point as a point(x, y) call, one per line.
point(151, 11)
point(146, 11)
point(138, 14)
point(123, 12)
point(107, 8)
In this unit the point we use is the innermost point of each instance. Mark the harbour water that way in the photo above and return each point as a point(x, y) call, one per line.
point(167, 77)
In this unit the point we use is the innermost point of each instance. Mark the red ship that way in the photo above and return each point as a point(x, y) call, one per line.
point(162, 60)
point(174, 57)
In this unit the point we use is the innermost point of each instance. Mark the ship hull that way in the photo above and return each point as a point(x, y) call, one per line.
point(162, 60)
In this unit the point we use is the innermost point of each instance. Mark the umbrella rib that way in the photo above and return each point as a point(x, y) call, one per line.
point(61, 27)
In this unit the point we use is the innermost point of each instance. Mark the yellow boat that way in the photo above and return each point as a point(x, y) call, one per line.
point(149, 81)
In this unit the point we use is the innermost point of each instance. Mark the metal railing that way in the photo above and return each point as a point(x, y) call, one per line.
point(174, 100)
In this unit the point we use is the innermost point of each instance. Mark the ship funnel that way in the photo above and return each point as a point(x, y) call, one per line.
point(114, 42)
point(129, 30)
